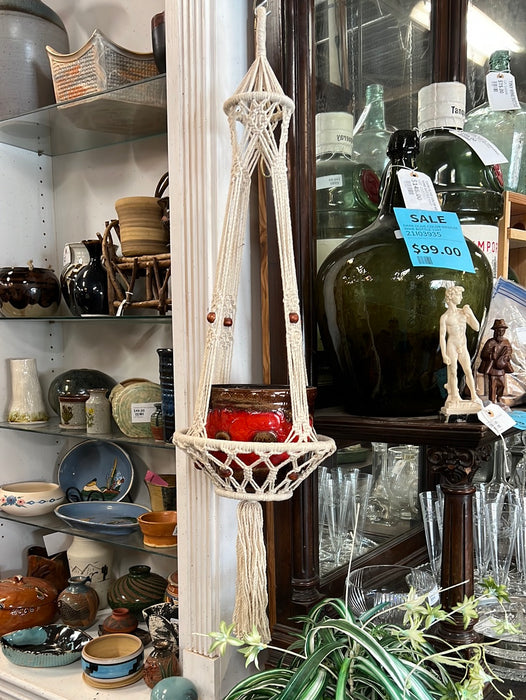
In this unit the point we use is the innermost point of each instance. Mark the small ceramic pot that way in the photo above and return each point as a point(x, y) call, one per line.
point(98, 413)
point(137, 590)
point(29, 292)
point(112, 657)
point(121, 621)
point(141, 231)
point(159, 528)
point(73, 411)
point(78, 603)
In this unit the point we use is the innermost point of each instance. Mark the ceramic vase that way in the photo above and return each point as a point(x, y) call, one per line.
point(72, 411)
point(90, 286)
point(159, 41)
point(121, 621)
point(76, 256)
point(26, 27)
point(161, 663)
point(27, 403)
point(94, 560)
point(157, 423)
point(28, 292)
point(166, 380)
point(137, 590)
point(98, 413)
point(78, 603)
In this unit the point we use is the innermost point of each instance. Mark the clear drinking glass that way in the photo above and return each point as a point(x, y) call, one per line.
point(403, 481)
point(429, 506)
point(502, 520)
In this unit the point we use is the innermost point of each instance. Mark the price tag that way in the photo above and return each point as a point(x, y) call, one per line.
point(326, 182)
point(488, 153)
point(434, 239)
point(141, 412)
point(520, 419)
point(495, 418)
point(56, 542)
point(417, 190)
point(501, 91)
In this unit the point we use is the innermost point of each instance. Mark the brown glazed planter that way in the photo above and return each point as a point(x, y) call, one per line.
point(30, 292)
point(252, 413)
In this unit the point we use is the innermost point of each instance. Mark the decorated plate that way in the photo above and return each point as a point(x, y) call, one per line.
point(129, 406)
point(95, 470)
point(101, 517)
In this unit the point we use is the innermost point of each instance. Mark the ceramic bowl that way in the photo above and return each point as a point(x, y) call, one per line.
point(159, 528)
point(30, 498)
point(112, 657)
point(44, 647)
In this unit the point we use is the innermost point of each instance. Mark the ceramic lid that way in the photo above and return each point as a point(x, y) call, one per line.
point(24, 591)
point(33, 7)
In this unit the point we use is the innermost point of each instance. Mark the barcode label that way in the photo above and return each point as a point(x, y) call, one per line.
point(424, 260)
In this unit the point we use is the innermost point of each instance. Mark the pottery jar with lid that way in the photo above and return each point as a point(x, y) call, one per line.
point(28, 292)
point(26, 601)
point(26, 27)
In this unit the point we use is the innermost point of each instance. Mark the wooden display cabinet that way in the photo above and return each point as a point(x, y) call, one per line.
point(511, 252)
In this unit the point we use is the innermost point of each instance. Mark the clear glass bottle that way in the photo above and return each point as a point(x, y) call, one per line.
point(378, 315)
point(346, 191)
point(463, 183)
point(371, 135)
point(506, 128)
point(378, 509)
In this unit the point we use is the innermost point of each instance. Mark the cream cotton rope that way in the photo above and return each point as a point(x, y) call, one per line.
point(254, 112)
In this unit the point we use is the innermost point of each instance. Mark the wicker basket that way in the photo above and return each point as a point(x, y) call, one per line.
point(99, 65)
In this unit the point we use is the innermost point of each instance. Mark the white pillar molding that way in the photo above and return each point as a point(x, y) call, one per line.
point(206, 50)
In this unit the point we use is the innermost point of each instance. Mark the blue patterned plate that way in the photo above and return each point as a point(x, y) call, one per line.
point(99, 516)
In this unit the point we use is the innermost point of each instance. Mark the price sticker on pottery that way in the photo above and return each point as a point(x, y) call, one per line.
point(434, 239)
point(141, 412)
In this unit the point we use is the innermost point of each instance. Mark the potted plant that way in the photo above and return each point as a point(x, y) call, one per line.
point(341, 656)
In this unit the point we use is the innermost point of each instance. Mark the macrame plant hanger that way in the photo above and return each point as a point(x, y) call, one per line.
point(254, 113)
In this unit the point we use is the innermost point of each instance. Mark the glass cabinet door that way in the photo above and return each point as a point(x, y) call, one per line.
point(330, 57)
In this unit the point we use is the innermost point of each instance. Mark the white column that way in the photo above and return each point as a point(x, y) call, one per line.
point(206, 60)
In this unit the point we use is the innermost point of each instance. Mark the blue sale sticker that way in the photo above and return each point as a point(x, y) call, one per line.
point(434, 239)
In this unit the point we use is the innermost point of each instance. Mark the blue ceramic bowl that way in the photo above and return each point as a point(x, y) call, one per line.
point(112, 657)
point(96, 470)
point(44, 647)
point(104, 518)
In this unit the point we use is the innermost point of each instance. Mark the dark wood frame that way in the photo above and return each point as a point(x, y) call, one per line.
point(452, 453)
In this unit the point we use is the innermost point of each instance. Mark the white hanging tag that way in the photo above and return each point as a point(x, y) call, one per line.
point(56, 542)
point(417, 190)
point(488, 153)
point(496, 418)
point(501, 91)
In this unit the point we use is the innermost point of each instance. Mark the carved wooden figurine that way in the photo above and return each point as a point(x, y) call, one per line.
point(495, 359)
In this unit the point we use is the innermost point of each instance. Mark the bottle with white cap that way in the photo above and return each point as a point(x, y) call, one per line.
point(347, 192)
point(463, 183)
point(371, 134)
point(502, 120)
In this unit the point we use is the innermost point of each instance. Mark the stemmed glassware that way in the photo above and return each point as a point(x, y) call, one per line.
point(431, 507)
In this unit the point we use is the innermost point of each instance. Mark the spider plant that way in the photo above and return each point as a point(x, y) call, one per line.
point(340, 656)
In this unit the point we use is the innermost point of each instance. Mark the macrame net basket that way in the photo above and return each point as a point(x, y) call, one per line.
point(270, 470)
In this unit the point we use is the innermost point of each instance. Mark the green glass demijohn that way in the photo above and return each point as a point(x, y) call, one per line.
point(379, 316)
point(506, 128)
point(346, 190)
point(464, 185)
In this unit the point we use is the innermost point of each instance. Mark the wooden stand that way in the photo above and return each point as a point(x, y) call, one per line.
point(512, 237)
point(123, 273)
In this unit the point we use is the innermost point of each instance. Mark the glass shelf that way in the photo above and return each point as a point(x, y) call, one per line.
point(53, 523)
point(114, 116)
point(158, 319)
point(52, 428)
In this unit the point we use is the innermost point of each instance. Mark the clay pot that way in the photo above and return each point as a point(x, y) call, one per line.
point(137, 589)
point(121, 621)
point(28, 292)
point(26, 601)
point(78, 603)
point(141, 230)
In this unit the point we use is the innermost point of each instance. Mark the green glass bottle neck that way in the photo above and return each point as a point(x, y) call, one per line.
point(500, 62)
point(392, 192)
